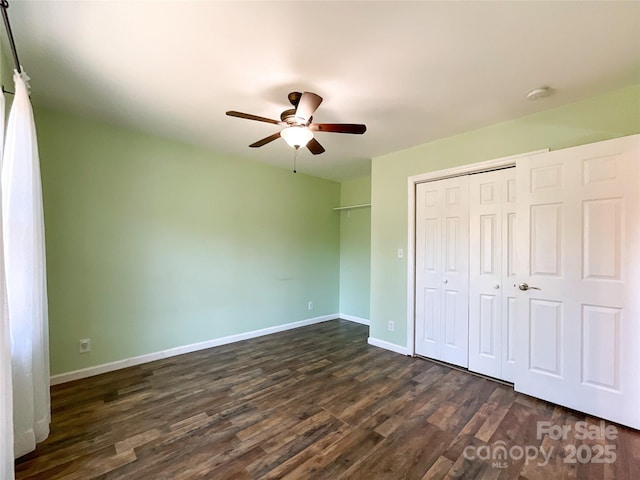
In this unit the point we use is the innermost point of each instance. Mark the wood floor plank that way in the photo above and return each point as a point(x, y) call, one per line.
point(439, 469)
point(315, 403)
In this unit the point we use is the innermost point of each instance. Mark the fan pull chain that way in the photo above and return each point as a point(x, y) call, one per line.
point(295, 156)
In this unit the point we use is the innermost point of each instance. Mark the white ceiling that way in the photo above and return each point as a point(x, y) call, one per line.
point(411, 71)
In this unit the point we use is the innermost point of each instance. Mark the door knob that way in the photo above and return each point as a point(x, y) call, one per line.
point(496, 286)
point(524, 287)
point(445, 281)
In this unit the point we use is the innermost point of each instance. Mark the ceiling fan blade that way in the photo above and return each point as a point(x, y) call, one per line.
point(265, 140)
point(248, 116)
point(315, 147)
point(309, 103)
point(356, 128)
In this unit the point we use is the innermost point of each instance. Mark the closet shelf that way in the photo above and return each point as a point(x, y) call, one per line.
point(350, 207)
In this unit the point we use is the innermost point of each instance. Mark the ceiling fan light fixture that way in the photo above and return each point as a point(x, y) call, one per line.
point(296, 136)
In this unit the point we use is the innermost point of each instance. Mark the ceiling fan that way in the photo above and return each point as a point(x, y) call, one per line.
point(298, 123)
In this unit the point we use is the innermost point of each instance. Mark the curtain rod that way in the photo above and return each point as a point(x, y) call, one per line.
point(5, 5)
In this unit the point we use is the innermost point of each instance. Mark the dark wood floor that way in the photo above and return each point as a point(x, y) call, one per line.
point(311, 403)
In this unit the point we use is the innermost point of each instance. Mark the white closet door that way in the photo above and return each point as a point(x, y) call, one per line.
point(442, 270)
point(491, 264)
point(578, 252)
point(508, 288)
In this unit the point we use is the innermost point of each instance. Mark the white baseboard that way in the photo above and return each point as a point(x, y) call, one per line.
point(172, 352)
point(353, 318)
point(376, 342)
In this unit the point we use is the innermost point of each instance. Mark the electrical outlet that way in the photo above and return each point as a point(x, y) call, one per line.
point(310, 305)
point(400, 253)
point(85, 345)
point(392, 326)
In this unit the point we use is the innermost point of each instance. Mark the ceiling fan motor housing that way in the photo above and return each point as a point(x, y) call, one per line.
point(289, 117)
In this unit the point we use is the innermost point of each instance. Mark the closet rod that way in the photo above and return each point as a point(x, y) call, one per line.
point(349, 207)
point(5, 5)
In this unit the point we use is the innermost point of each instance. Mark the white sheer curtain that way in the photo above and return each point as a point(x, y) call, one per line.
point(6, 400)
point(24, 254)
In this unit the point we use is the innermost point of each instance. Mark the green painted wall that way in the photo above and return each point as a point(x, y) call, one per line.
point(355, 248)
point(154, 244)
point(611, 115)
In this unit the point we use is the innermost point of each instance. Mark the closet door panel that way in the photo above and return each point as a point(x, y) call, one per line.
point(579, 231)
point(429, 202)
point(485, 263)
point(442, 270)
point(508, 288)
point(455, 277)
point(492, 264)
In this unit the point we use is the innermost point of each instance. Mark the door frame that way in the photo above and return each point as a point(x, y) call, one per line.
point(412, 181)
